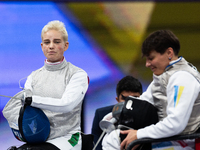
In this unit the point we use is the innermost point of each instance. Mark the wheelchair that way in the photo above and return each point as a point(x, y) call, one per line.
point(87, 144)
point(195, 136)
point(87, 139)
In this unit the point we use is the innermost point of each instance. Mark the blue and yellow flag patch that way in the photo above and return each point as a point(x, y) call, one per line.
point(178, 90)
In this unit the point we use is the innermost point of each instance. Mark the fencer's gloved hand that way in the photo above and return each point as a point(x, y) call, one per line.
point(28, 101)
point(27, 97)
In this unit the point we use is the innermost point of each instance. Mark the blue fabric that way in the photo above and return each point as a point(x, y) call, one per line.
point(35, 125)
point(161, 144)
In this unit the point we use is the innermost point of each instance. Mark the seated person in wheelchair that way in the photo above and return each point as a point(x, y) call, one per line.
point(174, 91)
point(58, 89)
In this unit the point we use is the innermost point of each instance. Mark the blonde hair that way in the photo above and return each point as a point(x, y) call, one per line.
point(58, 26)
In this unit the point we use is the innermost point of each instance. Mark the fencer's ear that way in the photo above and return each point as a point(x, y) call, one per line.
point(41, 46)
point(66, 45)
point(170, 52)
point(117, 99)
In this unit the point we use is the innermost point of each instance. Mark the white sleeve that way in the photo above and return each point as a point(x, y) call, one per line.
point(28, 83)
point(182, 91)
point(108, 117)
point(111, 141)
point(72, 96)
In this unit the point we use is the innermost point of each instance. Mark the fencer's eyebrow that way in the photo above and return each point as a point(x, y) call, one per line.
point(57, 39)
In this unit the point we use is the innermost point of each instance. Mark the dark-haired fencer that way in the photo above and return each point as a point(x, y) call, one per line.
point(174, 91)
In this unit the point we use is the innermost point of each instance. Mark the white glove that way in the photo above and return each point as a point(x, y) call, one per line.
point(107, 123)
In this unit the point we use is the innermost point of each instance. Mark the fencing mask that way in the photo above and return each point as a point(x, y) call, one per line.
point(34, 126)
point(28, 124)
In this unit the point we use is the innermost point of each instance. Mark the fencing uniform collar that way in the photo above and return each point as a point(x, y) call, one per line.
point(175, 61)
point(55, 66)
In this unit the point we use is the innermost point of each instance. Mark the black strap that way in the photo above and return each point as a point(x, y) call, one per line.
point(42, 146)
point(21, 112)
point(87, 141)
